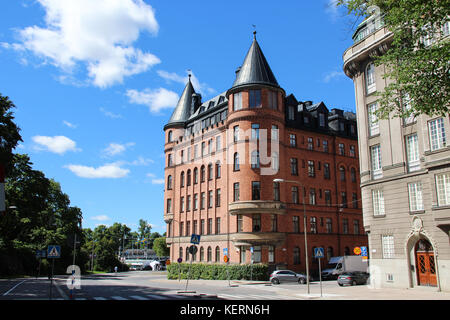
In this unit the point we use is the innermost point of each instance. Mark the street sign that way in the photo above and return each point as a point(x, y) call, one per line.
point(318, 253)
point(364, 253)
point(192, 249)
point(41, 253)
point(195, 239)
point(225, 251)
point(357, 251)
point(180, 260)
point(225, 258)
point(53, 251)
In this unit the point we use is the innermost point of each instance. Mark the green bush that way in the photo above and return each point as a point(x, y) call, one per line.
point(218, 271)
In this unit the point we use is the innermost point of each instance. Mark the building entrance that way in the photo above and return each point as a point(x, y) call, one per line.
point(425, 262)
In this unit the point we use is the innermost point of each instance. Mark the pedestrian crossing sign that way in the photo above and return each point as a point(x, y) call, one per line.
point(318, 253)
point(195, 239)
point(53, 251)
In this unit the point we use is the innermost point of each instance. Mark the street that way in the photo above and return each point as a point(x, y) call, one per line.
point(153, 285)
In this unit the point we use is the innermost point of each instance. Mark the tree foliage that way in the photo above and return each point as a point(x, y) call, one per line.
point(9, 132)
point(418, 70)
point(160, 247)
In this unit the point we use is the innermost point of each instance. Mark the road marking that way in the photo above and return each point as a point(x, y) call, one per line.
point(99, 298)
point(7, 292)
point(154, 296)
point(119, 298)
point(138, 298)
point(231, 296)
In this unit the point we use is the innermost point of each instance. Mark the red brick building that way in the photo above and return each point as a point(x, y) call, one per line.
point(223, 155)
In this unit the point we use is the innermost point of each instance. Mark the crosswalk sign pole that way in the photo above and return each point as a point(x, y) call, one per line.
point(320, 278)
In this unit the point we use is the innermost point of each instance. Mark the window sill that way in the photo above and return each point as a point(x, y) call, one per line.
point(443, 207)
point(379, 216)
point(418, 212)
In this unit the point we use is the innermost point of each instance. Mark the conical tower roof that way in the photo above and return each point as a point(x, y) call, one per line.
point(182, 110)
point(255, 69)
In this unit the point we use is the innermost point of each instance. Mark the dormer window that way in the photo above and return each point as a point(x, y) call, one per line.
point(321, 119)
point(291, 113)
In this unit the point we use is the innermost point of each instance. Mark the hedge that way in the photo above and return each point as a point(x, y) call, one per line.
point(218, 271)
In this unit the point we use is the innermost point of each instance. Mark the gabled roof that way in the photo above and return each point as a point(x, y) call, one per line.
point(255, 69)
point(182, 110)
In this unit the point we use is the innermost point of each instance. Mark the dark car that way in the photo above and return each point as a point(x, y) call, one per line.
point(353, 278)
point(279, 276)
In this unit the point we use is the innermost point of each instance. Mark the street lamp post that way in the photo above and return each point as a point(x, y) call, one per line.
point(304, 227)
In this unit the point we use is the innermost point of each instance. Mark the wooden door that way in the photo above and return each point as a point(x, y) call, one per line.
point(426, 269)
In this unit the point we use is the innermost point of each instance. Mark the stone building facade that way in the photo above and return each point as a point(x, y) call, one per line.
point(405, 176)
point(222, 156)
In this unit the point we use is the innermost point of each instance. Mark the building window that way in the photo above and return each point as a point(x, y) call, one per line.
point(188, 203)
point(195, 175)
point(202, 200)
point(254, 98)
point(256, 254)
point(325, 146)
point(311, 170)
point(217, 225)
point(202, 173)
point(443, 189)
point(195, 201)
point(255, 131)
point(169, 206)
point(209, 254)
point(437, 134)
point(356, 227)
point(217, 257)
point(235, 133)
point(344, 200)
point(345, 226)
point(292, 140)
point(375, 153)
point(271, 257)
point(321, 119)
point(387, 246)
point(237, 101)
point(182, 204)
point(294, 167)
point(313, 223)
point(202, 253)
point(352, 151)
point(170, 160)
point(209, 230)
point(256, 222)
point(242, 255)
point(210, 171)
point(169, 182)
point(310, 145)
point(195, 226)
point(182, 179)
point(412, 152)
point(256, 190)
point(188, 179)
point(329, 225)
point(409, 118)
point(188, 228)
point(355, 200)
point(296, 224)
point(294, 195)
point(203, 149)
point(236, 162)
point(274, 132)
point(236, 191)
point(415, 196)
point(342, 173)
point(378, 203)
point(370, 78)
point(326, 171)
point(276, 191)
point(218, 143)
point(275, 161)
point(374, 126)
point(255, 159)
point(273, 100)
point(341, 149)
point(328, 198)
point(217, 197)
point(312, 196)
point(181, 229)
point(291, 113)
point(240, 223)
point(274, 223)
point(296, 255)
point(202, 226)
point(353, 174)
point(218, 170)
point(210, 199)
point(169, 136)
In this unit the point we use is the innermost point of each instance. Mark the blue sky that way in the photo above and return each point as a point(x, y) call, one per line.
point(94, 83)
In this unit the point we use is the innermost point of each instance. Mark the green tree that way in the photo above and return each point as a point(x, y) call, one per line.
point(419, 71)
point(9, 132)
point(160, 247)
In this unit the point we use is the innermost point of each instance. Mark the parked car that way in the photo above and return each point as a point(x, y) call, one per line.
point(353, 278)
point(279, 276)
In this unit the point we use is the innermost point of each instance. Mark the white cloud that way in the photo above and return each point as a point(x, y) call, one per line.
point(98, 34)
point(101, 218)
point(157, 181)
point(332, 75)
point(111, 170)
point(68, 124)
point(110, 114)
point(56, 144)
point(156, 100)
point(117, 148)
point(201, 87)
point(151, 175)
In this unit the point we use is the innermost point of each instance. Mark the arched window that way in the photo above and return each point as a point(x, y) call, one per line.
point(169, 183)
point(217, 257)
point(182, 179)
point(202, 253)
point(236, 162)
point(296, 255)
point(169, 136)
point(188, 182)
point(202, 174)
point(209, 254)
point(370, 78)
point(342, 173)
point(195, 175)
point(255, 159)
